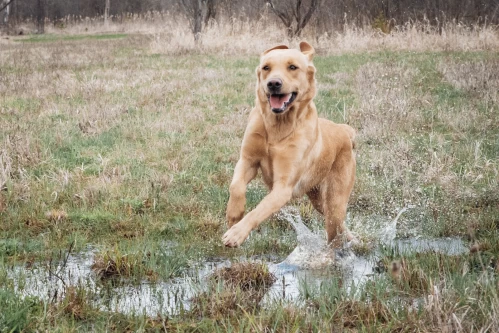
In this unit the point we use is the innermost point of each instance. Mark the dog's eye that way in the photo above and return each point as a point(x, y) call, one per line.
point(292, 67)
point(266, 68)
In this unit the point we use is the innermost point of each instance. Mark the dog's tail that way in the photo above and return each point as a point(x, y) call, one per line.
point(351, 133)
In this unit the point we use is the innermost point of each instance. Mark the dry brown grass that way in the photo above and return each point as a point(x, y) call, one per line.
point(357, 314)
point(170, 34)
point(5, 168)
point(234, 290)
point(477, 77)
point(253, 37)
point(114, 265)
point(245, 275)
point(75, 303)
point(386, 103)
point(418, 36)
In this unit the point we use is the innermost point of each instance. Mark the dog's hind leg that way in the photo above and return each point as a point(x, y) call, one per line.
point(315, 197)
point(339, 185)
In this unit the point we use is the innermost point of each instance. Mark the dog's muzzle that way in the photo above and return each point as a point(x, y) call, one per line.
point(279, 102)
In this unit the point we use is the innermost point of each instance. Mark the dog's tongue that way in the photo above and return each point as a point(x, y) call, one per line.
point(277, 101)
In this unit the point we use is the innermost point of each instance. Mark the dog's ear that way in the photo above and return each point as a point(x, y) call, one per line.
point(307, 50)
point(278, 47)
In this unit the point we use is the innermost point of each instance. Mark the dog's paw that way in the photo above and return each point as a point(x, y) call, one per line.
point(236, 235)
point(234, 215)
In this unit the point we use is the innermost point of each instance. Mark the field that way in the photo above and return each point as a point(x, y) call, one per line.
point(122, 146)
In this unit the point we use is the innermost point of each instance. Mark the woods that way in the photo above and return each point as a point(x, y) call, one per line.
point(324, 16)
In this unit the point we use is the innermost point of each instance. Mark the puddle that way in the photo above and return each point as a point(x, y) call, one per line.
point(449, 246)
point(147, 297)
point(151, 298)
point(310, 262)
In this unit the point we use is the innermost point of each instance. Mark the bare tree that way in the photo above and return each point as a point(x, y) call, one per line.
point(295, 14)
point(199, 12)
point(106, 12)
point(211, 12)
point(5, 7)
point(5, 4)
point(40, 16)
point(325, 16)
point(6, 12)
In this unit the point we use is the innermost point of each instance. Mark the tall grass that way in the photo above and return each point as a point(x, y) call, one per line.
point(171, 34)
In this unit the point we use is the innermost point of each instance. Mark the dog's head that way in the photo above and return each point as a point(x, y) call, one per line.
point(286, 78)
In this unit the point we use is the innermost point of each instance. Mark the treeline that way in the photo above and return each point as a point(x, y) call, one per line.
point(321, 15)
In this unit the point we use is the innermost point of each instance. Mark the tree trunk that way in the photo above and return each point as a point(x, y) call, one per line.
point(6, 14)
point(40, 16)
point(106, 12)
point(210, 12)
point(5, 8)
point(294, 20)
point(198, 20)
point(199, 13)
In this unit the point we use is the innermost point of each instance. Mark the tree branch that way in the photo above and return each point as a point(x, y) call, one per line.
point(286, 20)
point(298, 11)
point(308, 15)
point(6, 5)
point(188, 7)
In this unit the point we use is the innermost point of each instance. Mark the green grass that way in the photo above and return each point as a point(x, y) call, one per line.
point(16, 312)
point(108, 144)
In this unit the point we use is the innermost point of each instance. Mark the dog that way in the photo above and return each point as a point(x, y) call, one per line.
point(297, 152)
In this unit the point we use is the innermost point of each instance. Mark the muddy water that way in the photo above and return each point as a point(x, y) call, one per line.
point(311, 262)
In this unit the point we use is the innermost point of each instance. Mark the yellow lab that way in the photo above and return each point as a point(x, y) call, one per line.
point(297, 152)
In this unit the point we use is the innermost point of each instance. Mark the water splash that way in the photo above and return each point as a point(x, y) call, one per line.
point(312, 251)
point(389, 233)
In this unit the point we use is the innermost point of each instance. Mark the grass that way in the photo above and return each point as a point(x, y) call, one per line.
point(233, 290)
point(129, 144)
point(56, 37)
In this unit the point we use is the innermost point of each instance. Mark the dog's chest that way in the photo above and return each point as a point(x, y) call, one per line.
point(267, 172)
point(301, 173)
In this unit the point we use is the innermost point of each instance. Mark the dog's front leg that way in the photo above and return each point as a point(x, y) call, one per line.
point(243, 174)
point(277, 198)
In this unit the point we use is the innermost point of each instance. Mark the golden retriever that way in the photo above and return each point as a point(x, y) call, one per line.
point(297, 152)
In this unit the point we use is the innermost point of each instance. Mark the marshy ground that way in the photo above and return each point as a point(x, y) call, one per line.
point(118, 150)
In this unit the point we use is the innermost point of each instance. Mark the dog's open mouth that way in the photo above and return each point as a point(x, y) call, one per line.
point(279, 102)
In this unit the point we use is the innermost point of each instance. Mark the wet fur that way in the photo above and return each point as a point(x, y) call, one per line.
point(297, 152)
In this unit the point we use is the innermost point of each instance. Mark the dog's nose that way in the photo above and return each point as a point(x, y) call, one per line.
point(274, 84)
